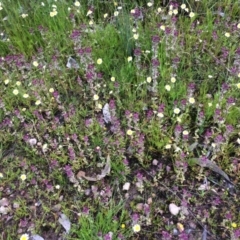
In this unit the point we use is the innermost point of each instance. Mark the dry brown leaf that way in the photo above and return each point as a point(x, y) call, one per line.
point(104, 172)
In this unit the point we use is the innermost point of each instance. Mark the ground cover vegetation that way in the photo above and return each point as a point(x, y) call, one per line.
point(119, 119)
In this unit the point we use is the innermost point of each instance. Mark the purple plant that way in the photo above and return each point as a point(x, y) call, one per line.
point(68, 171)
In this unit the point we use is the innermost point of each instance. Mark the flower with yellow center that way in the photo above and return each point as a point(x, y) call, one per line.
point(25, 95)
point(191, 100)
point(53, 13)
point(123, 225)
point(234, 225)
point(160, 115)
point(227, 34)
point(129, 132)
point(116, 13)
point(175, 11)
point(18, 83)
point(132, 11)
point(105, 15)
point(238, 85)
point(134, 30)
point(113, 79)
point(38, 102)
point(24, 237)
point(91, 22)
point(183, 6)
point(173, 79)
point(99, 61)
point(168, 87)
point(210, 104)
point(95, 97)
point(176, 110)
point(15, 92)
point(1, 175)
point(185, 132)
point(191, 14)
point(35, 63)
point(159, 10)
point(213, 145)
point(89, 12)
point(129, 59)
point(24, 15)
point(168, 146)
point(238, 26)
point(149, 4)
point(77, 4)
point(23, 177)
point(136, 228)
point(179, 119)
point(135, 36)
point(6, 81)
point(51, 90)
point(99, 106)
point(149, 79)
point(163, 28)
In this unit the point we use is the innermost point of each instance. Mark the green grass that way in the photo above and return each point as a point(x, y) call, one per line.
point(174, 84)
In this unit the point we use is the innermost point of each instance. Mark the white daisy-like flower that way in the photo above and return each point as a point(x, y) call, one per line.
point(136, 228)
point(149, 79)
point(168, 87)
point(176, 110)
point(175, 11)
point(38, 102)
point(168, 146)
point(136, 36)
point(95, 97)
point(77, 4)
point(6, 81)
point(99, 61)
point(183, 6)
point(191, 14)
point(185, 132)
point(24, 237)
point(35, 64)
point(23, 177)
point(24, 15)
point(15, 92)
point(160, 115)
point(129, 59)
point(129, 132)
point(163, 27)
point(191, 100)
